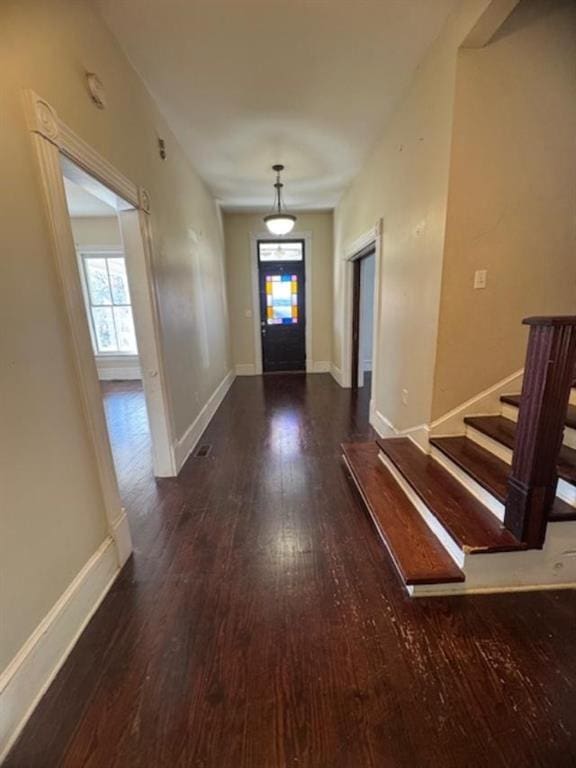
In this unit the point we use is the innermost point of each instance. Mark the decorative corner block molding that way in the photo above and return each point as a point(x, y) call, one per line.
point(41, 117)
point(144, 200)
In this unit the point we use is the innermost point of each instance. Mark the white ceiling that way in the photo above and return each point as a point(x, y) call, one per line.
point(248, 83)
point(82, 203)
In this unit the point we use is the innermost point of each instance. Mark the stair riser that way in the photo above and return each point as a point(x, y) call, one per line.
point(553, 567)
point(565, 491)
point(430, 519)
point(511, 412)
point(490, 501)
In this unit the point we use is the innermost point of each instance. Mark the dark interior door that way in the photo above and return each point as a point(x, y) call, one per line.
point(282, 315)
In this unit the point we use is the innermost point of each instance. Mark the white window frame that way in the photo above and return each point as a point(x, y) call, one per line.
point(102, 252)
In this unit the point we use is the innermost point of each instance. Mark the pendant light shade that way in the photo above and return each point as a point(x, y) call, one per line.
point(279, 222)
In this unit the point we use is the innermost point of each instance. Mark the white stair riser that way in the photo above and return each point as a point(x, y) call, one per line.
point(429, 518)
point(490, 501)
point(553, 567)
point(565, 491)
point(511, 412)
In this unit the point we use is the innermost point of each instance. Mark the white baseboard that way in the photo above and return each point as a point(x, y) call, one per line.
point(419, 434)
point(27, 677)
point(319, 366)
point(485, 402)
point(122, 538)
point(336, 374)
point(245, 369)
point(186, 444)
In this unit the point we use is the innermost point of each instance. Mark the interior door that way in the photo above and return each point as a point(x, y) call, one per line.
point(282, 305)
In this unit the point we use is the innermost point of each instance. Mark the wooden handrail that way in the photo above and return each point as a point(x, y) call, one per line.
point(548, 377)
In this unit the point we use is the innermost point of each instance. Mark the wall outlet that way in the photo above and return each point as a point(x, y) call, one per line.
point(247, 313)
point(480, 278)
point(404, 397)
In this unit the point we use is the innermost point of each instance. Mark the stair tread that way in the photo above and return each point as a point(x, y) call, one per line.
point(489, 471)
point(418, 555)
point(570, 413)
point(486, 468)
point(468, 521)
point(504, 431)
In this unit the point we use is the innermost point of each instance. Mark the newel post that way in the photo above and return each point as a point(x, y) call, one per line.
point(548, 376)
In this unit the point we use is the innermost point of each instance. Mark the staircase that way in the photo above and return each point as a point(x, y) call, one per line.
point(493, 508)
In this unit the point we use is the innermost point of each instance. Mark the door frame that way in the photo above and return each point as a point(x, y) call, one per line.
point(353, 252)
point(52, 139)
point(306, 236)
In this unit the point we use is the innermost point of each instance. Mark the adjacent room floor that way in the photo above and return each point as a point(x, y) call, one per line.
point(260, 623)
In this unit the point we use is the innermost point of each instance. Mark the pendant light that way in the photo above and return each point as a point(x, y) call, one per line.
point(279, 222)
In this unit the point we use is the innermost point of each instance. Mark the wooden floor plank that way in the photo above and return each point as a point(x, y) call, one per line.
point(417, 553)
point(260, 623)
point(469, 522)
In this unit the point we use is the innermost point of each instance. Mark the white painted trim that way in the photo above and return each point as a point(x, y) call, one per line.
point(320, 366)
point(373, 235)
point(484, 403)
point(245, 369)
point(121, 535)
point(27, 677)
point(136, 235)
point(118, 367)
point(336, 374)
point(418, 434)
point(55, 145)
point(306, 236)
point(443, 536)
point(552, 567)
point(46, 136)
point(484, 496)
point(189, 440)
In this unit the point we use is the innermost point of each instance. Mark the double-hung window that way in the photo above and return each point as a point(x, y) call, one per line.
point(108, 303)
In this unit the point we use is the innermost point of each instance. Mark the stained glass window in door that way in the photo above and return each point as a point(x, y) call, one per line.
point(281, 299)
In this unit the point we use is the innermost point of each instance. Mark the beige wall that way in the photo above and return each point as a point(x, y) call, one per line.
point(238, 228)
point(405, 182)
point(96, 230)
point(512, 201)
point(52, 513)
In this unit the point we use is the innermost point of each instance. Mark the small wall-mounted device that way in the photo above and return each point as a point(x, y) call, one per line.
point(162, 148)
point(480, 277)
point(96, 90)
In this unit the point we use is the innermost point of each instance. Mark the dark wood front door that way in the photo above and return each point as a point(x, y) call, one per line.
point(282, 312)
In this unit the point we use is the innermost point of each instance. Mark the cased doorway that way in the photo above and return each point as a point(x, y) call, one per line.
point(282, 291)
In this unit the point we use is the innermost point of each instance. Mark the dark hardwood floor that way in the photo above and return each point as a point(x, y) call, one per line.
point(260, 623)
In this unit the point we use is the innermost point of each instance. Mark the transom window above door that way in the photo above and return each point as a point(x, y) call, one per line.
point(280, 250)
point(108, 303)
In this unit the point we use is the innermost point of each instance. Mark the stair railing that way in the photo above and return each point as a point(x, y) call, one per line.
point(548, 376)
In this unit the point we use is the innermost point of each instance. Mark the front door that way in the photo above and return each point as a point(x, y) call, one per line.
point(282, 305)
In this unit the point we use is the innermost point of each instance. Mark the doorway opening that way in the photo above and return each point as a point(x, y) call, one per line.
point(363, 287)
point(282, 287)
point(112, 270)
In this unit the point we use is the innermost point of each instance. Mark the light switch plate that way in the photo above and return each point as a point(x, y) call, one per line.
point(480, 278)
